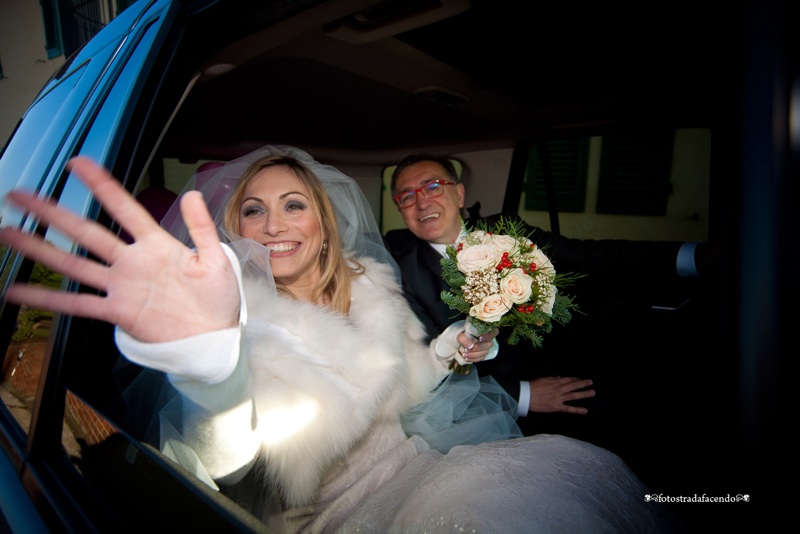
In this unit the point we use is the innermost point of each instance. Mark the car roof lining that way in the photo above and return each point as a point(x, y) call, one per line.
point(511, 73)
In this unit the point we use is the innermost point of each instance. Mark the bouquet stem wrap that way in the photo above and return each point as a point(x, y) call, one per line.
point(459, 365)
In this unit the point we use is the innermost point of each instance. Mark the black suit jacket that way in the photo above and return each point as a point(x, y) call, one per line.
point(615, 269)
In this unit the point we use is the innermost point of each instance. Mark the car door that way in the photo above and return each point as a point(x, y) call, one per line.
point(71, 460)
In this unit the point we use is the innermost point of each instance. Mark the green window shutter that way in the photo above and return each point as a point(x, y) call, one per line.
point(54, 43)
point(569, 160)
point(634, 173)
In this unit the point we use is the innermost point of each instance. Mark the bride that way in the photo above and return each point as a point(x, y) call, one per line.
point(298, 361)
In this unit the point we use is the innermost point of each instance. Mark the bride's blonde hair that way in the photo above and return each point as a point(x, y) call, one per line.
point(337, 270)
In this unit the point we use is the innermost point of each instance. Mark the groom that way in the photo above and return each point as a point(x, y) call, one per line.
point(429, 196)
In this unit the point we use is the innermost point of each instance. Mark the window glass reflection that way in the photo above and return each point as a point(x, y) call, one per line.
point(24, 355)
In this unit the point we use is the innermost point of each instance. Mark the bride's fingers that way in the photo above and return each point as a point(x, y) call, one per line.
point(131, 215)
point(77, 304)
point(201, 228)
point(75, 267)
point(95, 238)
point(116, 200)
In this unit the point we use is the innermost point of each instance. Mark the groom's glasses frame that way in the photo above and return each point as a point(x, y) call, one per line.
point(433, 189)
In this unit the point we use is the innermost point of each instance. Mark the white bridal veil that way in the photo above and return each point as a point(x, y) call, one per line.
point(358, 228)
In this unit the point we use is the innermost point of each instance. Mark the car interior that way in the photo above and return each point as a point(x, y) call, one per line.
point(501, 86)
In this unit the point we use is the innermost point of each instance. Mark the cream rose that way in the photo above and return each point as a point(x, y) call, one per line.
point(474, 238)
point(475, 258)
point(543, 263)
point(504, 243)
point(492, 308)
point(517, 286)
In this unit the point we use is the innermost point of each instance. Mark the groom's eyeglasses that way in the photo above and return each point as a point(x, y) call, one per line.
point(406, 199)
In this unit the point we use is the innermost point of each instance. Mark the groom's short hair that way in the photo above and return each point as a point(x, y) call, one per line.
point(412, 159)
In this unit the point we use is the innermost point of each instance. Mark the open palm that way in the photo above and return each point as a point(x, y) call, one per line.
point(157, 289)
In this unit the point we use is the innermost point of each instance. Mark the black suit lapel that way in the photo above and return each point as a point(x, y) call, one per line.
point(432, 285)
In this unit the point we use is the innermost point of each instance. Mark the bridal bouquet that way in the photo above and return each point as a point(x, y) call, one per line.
point(500, 278)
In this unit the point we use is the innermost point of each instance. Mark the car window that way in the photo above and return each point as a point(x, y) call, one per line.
point(685, 193)
point(19, 168)
point(30, 162)
point(62, 378)
point(25, 353)
point(685, 216)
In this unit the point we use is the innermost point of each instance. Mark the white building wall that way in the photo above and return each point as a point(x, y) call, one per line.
point(24, 61)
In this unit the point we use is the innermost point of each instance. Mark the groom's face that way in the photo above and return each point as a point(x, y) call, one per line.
point(437, 219)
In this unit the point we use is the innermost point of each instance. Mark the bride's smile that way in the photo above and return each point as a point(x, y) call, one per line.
point(276, 248)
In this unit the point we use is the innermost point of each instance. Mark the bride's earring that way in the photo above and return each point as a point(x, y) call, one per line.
point(324, 247)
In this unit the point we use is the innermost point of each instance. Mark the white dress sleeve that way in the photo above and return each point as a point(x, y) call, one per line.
point(212, 378)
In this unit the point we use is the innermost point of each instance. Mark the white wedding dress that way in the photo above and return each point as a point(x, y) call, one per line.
point(312, 402)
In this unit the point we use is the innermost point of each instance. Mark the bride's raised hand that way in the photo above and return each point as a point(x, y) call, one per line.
point(157, 289)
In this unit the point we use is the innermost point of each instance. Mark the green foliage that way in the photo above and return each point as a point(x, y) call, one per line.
point(45, 276)
point(454, 278)
point(31, 324)
point(40, 275)
point(505, 226)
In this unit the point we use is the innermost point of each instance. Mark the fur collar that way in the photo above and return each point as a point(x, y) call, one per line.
point(336, 377)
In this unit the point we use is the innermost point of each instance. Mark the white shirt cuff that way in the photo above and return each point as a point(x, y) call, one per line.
point(524, 398)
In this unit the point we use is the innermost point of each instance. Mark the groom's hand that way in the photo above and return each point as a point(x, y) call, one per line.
point(550, 394)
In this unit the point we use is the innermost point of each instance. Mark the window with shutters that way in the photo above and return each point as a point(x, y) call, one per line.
point(70, 23)
point(80, 21)
point(635, 173)
point(567, 161)
point(54, 44)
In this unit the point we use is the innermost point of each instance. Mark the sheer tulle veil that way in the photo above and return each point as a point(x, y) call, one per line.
point(358, 227)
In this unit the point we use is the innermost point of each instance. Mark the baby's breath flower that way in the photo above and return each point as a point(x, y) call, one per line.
point(479, 285)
